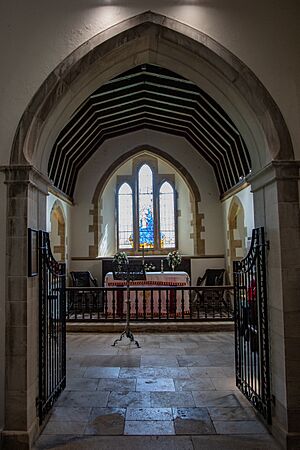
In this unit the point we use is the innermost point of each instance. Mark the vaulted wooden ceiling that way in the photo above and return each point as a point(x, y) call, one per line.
point(150, 97)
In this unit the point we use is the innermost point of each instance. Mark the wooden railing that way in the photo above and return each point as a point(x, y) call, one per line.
point(167, 303)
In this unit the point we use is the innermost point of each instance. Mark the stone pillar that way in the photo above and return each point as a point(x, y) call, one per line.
point(2, 295)
point(276, 206)
point(27, 191)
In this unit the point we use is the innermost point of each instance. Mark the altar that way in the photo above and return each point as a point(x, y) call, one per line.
point(157, 302)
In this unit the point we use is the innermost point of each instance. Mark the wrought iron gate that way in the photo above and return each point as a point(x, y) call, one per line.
point(251, 326)
point(52, 327)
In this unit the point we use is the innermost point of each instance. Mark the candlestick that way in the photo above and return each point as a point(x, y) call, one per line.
point(161, 265)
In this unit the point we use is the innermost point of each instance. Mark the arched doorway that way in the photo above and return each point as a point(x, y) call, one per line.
point(236, 233)
point(36, 135)
point(58, 232)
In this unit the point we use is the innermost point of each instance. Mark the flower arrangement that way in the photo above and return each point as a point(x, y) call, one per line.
point(174, 259)
point(149, 267)
point(120, 258)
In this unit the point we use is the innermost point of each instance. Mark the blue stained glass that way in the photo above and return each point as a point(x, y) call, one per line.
point(146, 223)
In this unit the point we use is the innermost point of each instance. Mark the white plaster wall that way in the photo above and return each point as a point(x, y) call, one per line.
point(180, 150)
point(263, 34)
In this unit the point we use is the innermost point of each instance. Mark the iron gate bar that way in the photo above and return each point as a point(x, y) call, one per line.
point(251, 326)
point(52, 327)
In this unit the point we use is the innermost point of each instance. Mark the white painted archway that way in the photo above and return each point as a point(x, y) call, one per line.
point(159, 40)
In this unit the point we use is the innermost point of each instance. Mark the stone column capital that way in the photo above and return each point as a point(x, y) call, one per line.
point(26, 174)
point(275, 170)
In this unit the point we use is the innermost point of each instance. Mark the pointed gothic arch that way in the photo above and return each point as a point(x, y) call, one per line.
point(58, 231)
point(195, 198)
point(87, 67)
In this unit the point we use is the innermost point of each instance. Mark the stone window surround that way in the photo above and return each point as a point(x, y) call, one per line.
point(197, 217)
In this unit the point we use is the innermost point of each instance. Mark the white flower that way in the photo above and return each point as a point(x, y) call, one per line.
point(174, 258)
point(120, 258)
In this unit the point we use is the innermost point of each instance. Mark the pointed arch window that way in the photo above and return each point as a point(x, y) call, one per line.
point(167, 216)
point(146, 210)
point(145, 206)
point(125, 216)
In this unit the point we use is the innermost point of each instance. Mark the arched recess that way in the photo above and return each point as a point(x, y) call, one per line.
point(153, 38)
point(197, 216)
point(237, 233)
point(58, 232)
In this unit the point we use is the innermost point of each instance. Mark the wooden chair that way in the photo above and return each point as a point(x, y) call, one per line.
point(84, 301)
point(212, 277)
point(83, 279)
point(207, 299)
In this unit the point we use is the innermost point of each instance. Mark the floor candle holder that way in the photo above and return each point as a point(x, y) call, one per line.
point(128, 272)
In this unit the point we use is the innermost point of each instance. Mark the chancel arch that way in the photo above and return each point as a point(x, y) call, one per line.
point(257, 122)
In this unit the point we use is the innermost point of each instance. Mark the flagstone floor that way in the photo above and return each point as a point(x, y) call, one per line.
point(175, 392)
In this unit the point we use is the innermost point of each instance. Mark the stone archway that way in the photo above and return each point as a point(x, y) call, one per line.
point(58, 232)
point(236, 233)
point(159, 40)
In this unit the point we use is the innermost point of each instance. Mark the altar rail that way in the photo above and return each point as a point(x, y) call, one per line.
point(167, 303)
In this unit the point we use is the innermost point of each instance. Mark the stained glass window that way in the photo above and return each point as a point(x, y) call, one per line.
point(146, 216)
point(145, 205)
point(125, 216)
point(167, 216)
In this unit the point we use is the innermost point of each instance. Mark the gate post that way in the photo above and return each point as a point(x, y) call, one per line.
point(276, 205)
point(27, 190)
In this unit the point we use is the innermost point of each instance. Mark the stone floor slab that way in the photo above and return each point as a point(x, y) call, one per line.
point(129, 400)
point(111, 361)
point(155, 372)
point(149, 427)
point(248, 442)
point(149, 414)
point(192, 421)
point(82, 384)
point(64, 427)
point(216, 398)
point(79, 414)
point(106, 421)
point(224, 384)
point(155, 384)
point(239, 427)
point(154, 361)
point(87, 399)
point(169, 399)
point(117, 384)
point(202, 384)
point(193, 360)
point(231, 413)
point(207, 372)
point(102, 372)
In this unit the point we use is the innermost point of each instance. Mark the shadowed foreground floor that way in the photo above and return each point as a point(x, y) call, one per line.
point(175, 392)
